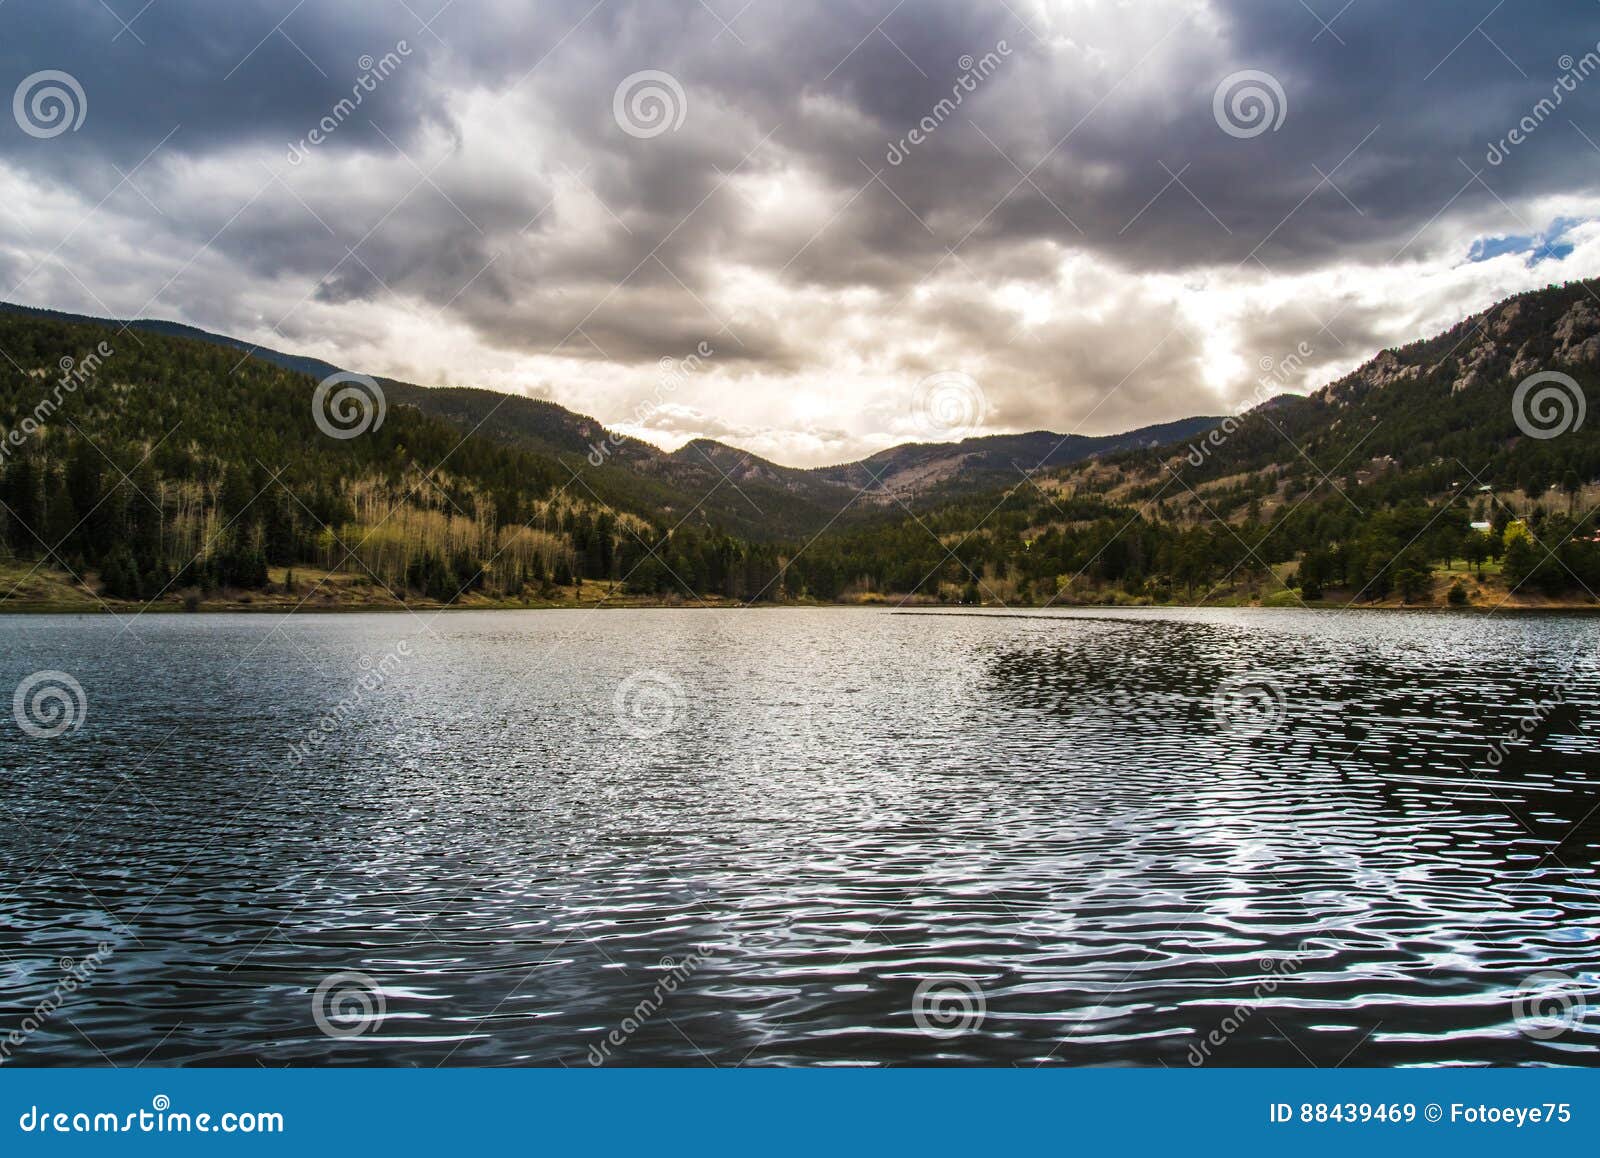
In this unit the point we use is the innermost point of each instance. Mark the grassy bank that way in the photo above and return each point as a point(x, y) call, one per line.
point(43, 590)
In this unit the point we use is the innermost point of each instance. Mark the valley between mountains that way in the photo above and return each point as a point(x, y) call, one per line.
point(148, 465)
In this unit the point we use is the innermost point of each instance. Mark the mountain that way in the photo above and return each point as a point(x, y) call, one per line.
point(908, 477)
point(144, 459)
point(142, 464)
point(161, 460)
point(1372, 488)
point(917, 469)
point(312, 366)
point(1425, 419)
point(704, 480)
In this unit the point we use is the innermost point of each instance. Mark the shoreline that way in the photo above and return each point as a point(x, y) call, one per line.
point(307, 592)
point(893, 607)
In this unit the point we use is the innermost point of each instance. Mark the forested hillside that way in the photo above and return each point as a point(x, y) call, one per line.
point(143, 464)
point(704, 484)
point(1366, 490)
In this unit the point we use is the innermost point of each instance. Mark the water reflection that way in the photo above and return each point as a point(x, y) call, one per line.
point(1126, 831)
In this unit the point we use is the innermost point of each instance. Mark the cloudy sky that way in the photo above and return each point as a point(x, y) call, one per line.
point(1136, 211)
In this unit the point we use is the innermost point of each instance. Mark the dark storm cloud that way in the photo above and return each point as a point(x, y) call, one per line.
point(1390, 114)
point(227, 73)
point(487, 184)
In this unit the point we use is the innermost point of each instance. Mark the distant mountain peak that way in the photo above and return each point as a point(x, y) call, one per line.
point(765, 498)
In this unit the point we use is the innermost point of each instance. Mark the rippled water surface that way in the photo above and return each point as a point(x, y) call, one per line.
point(1230, 838)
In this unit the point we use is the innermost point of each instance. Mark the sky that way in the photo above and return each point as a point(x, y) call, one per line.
point(1134, 212)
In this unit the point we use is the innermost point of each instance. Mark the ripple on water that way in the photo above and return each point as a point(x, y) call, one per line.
point(1168, 837)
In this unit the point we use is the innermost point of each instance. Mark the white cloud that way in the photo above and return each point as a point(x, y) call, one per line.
point(508, 234)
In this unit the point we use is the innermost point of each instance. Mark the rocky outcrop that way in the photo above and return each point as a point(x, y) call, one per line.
point(1578, 331)
point(1526, 361)
point(1474, 367)
point(1505, 320)
point(1387, 369)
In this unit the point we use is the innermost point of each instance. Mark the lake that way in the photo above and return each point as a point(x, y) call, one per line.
point(794, 836)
